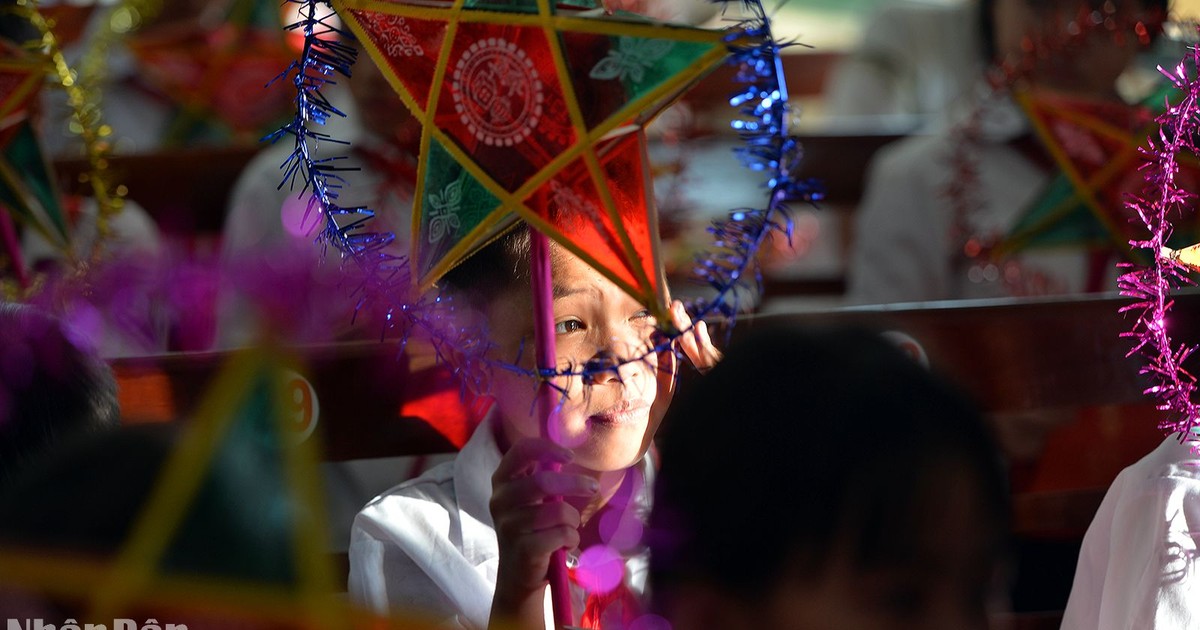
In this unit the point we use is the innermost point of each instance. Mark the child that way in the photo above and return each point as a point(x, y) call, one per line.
point(825, 480)
point(909, 247)
point(470, 541)
point(1140, 562)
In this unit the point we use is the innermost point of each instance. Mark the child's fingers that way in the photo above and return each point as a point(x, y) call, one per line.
point(689, 345)
point(704, 354)
point(537, 487)
point(525, 552)
point(536, 548)
point(695, 342)
point(679, 315)
point(526, 455)
point(537, 518)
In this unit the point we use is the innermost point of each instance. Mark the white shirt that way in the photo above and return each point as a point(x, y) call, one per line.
point(255, 245)
point(428, 546)
point(917, 57)
point(1140, 562)
point(903, 249)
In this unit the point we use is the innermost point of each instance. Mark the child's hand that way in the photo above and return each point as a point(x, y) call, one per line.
point(529, 527)
point(697, 346)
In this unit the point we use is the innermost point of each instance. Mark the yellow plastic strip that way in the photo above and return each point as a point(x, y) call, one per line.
point(1018, 241)
point(40, 217)
point(427, 128)
point(615, 27)
point(599, 180)
point(316, 583)
point(662, 290)
point(1064, 162)
point(1090, 122)
point(27, 85)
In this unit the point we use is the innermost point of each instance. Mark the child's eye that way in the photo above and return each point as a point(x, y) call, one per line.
point(642, 315)
point(568, 326)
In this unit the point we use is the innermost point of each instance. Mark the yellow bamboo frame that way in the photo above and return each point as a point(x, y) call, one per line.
point(650, 292)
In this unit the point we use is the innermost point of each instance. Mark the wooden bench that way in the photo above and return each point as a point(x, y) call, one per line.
point(372, 401)
point(185, 191)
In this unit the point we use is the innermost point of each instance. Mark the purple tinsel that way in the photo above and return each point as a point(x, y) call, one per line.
point(1151, 286)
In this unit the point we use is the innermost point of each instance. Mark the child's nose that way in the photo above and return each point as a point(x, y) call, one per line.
point(619, 360)
point(602, 368)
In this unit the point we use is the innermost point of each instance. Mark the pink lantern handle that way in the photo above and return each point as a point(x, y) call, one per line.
point(547, 402)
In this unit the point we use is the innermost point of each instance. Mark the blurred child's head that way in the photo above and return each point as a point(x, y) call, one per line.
point(1091, 69)
point(825, 480)
point(51, 387)
point(607, 421)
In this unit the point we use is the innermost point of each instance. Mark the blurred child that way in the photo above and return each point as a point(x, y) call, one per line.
point(915, 59)
point(1140, 562)
point(266, 227)
point(908, 246)
point(471, 540)
point(52, 388)
point(823, 479)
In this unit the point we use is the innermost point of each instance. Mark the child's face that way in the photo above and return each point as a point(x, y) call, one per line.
point(607, 423)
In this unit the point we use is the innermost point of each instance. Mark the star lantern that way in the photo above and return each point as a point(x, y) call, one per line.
point(1096, 147)
point(248, 450)
point(534, 111)
point(28, 192)
point(209, 71)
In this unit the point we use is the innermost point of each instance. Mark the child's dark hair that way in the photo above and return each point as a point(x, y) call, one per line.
point(51, 389)
point(802, 443)
point(496, 269)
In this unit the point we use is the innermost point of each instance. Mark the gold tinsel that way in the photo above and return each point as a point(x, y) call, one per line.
point(83, 98)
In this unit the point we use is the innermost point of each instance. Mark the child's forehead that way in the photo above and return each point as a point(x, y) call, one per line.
point(570, 271)
point(574, 277)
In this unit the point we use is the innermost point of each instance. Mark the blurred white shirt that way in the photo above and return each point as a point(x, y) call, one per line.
point(916, 57)
point(1140, 562)
point(256, 244)
point(903, 250)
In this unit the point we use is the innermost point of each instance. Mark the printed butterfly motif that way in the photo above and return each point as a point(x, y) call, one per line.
point(631, 58)
point(443, 211)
